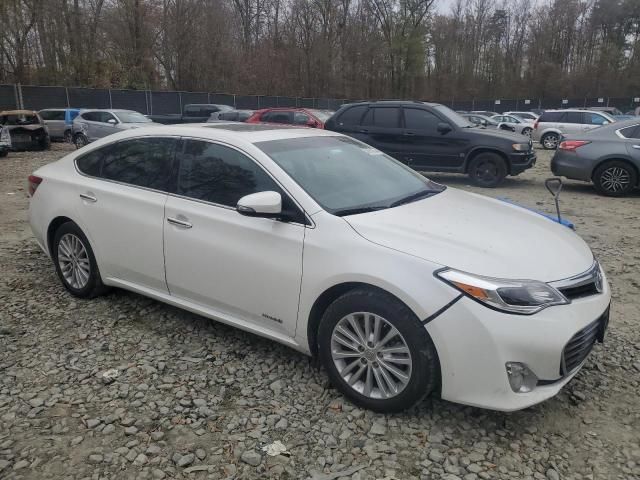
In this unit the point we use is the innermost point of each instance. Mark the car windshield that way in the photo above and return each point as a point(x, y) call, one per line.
point(454, 117)
point(346, 176)
point(489, 121)
point(20, 119)
point(132, 117)
point(322, 115)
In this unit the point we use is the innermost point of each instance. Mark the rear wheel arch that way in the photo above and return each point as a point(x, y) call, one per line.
point(616, 159)
point(55, 224)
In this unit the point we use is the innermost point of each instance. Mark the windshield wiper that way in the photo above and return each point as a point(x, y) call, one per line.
point(356, 210)
point(414, 196)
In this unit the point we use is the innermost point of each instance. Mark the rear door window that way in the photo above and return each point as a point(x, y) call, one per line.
point(192, 111)
point(143, 162)
point(382, 117)
point(90, 116)
point(300, 118)
point(575, 117)
point(278, 117)
point(52, 115)
point(91, 163)
point(552, 117)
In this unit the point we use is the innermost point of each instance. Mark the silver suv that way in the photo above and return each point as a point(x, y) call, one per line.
point(90, 125)
point(553, 124)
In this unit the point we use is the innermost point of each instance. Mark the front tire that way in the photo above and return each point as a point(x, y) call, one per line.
point(550, 141)
point(75, 262)
point(376, 352)
point(527, 131)
point(80, 140)
point(615, 178)
point(487, 170)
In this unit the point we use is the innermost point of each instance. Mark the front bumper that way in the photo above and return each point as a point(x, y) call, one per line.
point(522, 161)
point(474, 343)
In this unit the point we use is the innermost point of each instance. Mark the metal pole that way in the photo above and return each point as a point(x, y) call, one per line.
point(150, 102)
point(110, 102)
point(66, 92)
point(234, 101)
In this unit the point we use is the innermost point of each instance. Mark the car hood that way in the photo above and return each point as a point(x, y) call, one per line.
point(129, 126)
point(496, 132)
point(480, 235)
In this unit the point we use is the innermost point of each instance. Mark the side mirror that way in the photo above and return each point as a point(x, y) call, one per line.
point(112, 121)
point(444, 128)
point(261, 204)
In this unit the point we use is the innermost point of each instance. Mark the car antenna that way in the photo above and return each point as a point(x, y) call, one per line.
point(554, 185)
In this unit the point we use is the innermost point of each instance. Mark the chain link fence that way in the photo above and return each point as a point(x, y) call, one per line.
point(151, 102)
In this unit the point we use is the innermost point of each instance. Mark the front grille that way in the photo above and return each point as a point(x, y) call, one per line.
point(581, 344)
point(580, 291)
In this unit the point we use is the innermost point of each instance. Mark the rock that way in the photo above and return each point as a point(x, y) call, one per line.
point(141, 460)
point(186, 460)
point(277, 386)
point(95, 458)
point(20, 465)
point(157, 473)
point(251, 457)
point(436, 456)
point(3, 464)
point(108, 429)
point(157, 435)
point(36, 402)
point(130, 431)
point(378, 429)
point(93, 423)
point(201, 454)
point(76, 440)
point(552, 474)
point(127, 422)
point(282, 424)
point(636, 365)
point(230, 470)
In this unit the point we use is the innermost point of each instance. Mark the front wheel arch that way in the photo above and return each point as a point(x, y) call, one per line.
point(325, 299)
point(477, 151)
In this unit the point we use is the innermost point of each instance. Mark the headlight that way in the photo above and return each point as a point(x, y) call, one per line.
point(523, 297)
point(520, 147)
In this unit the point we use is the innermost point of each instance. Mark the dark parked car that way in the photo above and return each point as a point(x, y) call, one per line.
point(231, 116)
point(309, 117)
point(191, 113)
point(432, 137)
point(27, 130)
point(608, 156)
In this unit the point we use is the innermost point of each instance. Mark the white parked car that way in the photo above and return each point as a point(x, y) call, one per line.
point(520, 125)
point(402, 287)
point(526, 115)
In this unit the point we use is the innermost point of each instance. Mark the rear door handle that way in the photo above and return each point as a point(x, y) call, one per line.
point(179, 223)
point(637, 147)
point(364, 130)
point(88, 197)
point(410, 134)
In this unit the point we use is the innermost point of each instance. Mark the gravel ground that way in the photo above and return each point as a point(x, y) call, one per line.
point(195, 399)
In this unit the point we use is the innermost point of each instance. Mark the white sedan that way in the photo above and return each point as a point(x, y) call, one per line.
point(402, 287)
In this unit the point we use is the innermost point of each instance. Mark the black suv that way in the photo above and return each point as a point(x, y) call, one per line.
point(432, 137)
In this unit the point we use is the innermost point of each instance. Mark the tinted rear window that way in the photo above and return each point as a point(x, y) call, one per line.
point(552, 116)
point(574, 117)
point(631, 132)
point(91, 163)
point(144, 162)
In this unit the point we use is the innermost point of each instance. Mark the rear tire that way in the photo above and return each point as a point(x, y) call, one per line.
point(615, 178)
point(487, 170)
point(68, 137)
point(550, 141)
point(527, 131)
point(75, 262)
point(80, 140)
point(4, 153)
point(387, 376)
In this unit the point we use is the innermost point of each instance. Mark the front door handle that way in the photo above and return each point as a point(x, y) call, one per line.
point(363, 130)
point(88, 197)
point(637, 147)
point(410, 134)
point(179, 223)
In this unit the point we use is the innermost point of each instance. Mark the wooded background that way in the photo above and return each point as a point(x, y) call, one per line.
point(328, 48)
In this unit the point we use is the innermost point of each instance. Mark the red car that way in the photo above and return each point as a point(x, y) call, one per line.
point(307, 117)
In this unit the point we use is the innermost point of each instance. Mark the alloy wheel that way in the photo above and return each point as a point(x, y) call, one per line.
point(615, 179)
point(371, 355)
point(74, 261)
point(550, 141)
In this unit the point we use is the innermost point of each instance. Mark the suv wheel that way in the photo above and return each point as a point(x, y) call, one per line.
point(527, 131)
point(376, 351)
point(550, 141)
point(487, 170)
point(615, 178)
point(75, 263)
point(80, 140)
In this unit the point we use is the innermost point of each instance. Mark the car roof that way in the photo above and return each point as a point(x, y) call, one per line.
point(110, 110)
point(18, 112)
point(392, 102)
point(242, 132)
